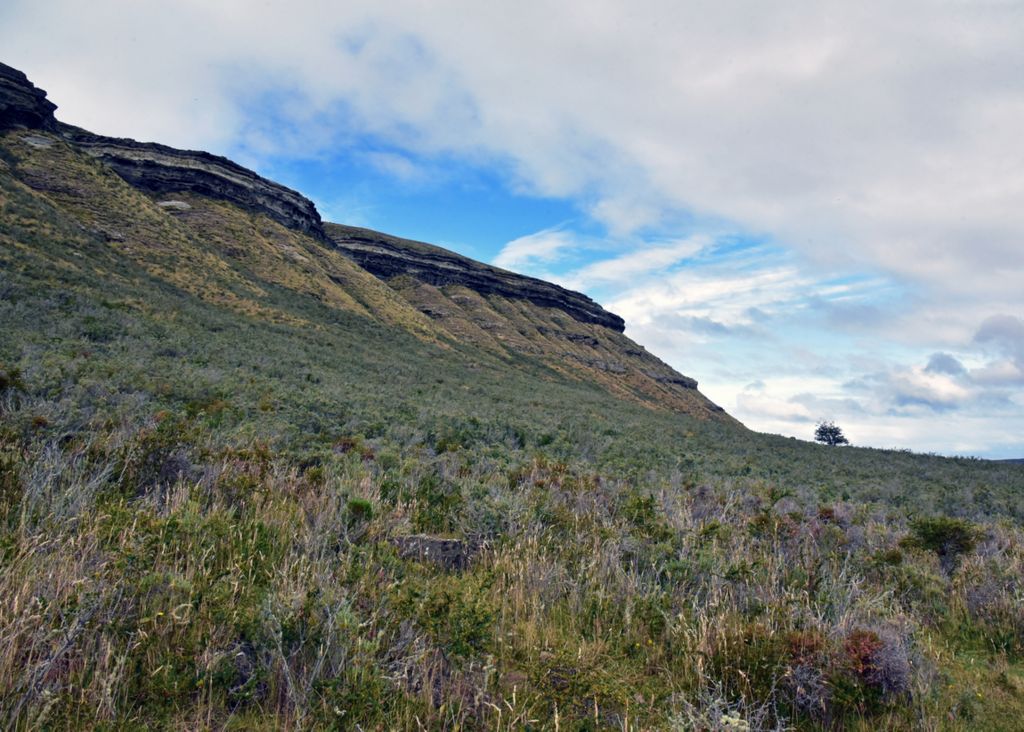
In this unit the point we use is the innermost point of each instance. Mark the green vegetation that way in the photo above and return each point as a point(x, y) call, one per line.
point(209, 447)
point(947, 537)
point(829, 433)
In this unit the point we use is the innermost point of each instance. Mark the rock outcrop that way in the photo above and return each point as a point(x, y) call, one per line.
point(388, 256)
point(160, 169)
point(155, 168)
point(22, 104)
point(447, 553)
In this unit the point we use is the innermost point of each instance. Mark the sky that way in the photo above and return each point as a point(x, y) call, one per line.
point(814, 208)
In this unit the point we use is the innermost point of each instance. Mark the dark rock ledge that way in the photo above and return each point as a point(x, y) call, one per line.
point(22, 104)
point(161, 169)
point(387, 256)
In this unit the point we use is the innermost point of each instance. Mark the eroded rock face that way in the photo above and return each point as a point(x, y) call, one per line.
point(22, 104)
point(160, 169)
point(157, 168)
point(388, 256)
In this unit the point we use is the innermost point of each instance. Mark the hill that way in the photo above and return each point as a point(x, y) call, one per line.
point(262, 471)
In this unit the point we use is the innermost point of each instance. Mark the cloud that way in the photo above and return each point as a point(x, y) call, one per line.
point(1002, 372)
point(877, 136)
point(643, 260)
point(944, 363)
point(1006, 333)
point(898, 407)
point(731, 282)
point(396, 165)
point(773, 408)
point(541, 247)
point(917, 387)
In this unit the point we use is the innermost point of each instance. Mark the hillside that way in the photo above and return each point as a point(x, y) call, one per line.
point(262, 471)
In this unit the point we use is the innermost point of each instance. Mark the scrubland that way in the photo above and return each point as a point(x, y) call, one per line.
point(206, 477)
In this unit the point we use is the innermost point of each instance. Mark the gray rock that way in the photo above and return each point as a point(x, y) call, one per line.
point(176, 205)
point(671, 377)
point(446, 553)
point(159, 169)
point(37, 141)
point(388, 256)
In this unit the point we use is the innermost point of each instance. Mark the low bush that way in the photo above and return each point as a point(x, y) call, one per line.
point(949, 538)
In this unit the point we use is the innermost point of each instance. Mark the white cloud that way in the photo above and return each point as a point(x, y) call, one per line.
point(877, 135)
point(643, 260)
point(773, 409)
point(398, 166)
point(541, 247)
point(1005, 332)
point(734, 291)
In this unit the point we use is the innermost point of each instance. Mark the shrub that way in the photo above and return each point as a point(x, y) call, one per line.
point(749, 659)
point(947, 537)
point(360, 510)
point(157, 455)
point(438, 504)
point(11, 380)
point(11, 385)
point(11, 459)
point(874, 671)
point(456, 612)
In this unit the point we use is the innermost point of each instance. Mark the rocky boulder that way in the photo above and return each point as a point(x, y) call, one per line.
point(446, 553)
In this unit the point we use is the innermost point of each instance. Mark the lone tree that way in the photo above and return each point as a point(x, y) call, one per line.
point(830, 434)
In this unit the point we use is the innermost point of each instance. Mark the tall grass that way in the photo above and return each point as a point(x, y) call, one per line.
point(255, 592)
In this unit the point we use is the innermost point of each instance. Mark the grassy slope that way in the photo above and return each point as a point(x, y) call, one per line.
point(213, 430)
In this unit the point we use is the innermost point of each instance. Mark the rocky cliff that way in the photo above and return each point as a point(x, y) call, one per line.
point(158, 168)
point(516, 317)
point(22, 104)
point(388, 256)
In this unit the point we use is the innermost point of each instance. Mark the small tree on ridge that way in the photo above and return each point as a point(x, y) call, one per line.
point(830, 434)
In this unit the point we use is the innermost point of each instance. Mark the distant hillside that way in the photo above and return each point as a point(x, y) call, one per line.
point(258, 471)
point(483, 305)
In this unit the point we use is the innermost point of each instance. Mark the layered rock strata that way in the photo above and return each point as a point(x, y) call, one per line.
point(388, 256)
point(161, 169)
point(155, 168)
